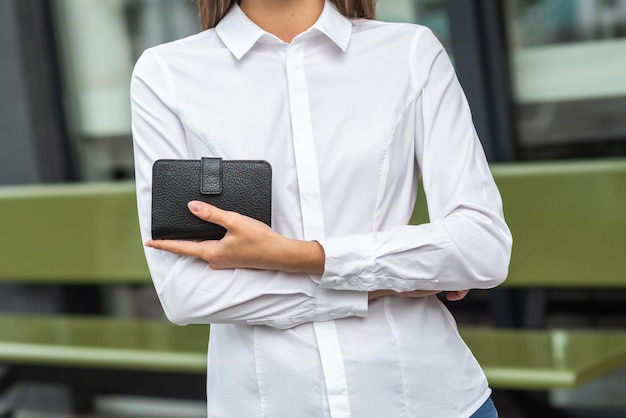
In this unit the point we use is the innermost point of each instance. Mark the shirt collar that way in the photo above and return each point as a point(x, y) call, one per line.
point(239, 33)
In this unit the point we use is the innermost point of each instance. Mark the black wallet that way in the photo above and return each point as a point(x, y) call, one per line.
point(243, 186)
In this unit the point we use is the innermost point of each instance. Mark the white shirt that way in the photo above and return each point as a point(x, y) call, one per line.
point(348, 114)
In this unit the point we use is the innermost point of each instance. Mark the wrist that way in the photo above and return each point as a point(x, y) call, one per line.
point(303, 257)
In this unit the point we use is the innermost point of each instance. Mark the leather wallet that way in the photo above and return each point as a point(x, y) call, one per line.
point(243, 186)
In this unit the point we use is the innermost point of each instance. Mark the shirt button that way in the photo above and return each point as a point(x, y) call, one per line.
point(353, 281)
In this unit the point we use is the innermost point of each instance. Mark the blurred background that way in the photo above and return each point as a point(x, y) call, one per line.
point(546, 80)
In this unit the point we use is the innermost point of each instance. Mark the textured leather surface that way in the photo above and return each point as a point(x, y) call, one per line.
point(246, 189)
point(211, 176)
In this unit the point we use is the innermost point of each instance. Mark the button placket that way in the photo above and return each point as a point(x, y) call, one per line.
point(313, 220)
point(304, 145)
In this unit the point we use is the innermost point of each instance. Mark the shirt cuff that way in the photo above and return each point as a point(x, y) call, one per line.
point(351, 264)
point(335, 304)
point(348, 264)
point(330, 304)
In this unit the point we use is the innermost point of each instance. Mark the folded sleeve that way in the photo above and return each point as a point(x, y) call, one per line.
point(189, 290)
point(467, 243)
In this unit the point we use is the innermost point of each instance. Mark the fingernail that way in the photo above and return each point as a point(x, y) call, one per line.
point(195, 206)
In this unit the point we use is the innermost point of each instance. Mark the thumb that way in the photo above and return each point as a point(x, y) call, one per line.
point(209, 213)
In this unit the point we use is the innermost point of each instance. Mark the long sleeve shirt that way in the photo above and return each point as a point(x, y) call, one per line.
point(349, 114)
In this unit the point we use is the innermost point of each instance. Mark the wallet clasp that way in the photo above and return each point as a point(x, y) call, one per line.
point(211, 176)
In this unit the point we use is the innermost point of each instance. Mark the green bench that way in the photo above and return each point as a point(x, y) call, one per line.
point(568, 221)
point(569, 231)
point(87, 234)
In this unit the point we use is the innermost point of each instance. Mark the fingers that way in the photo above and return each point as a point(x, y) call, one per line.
point(454, 296)
point(375, 294)
point(191, 248)
point(211, 213)
point(203, 211)
point(411, 294)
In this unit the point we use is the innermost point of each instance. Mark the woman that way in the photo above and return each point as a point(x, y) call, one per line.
point(331, 313)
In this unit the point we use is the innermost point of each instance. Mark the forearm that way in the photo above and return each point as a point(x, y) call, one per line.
point(191, 292)
point(297, 256)
point(447, 255)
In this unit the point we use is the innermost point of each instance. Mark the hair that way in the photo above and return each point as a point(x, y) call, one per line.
point(212, 11)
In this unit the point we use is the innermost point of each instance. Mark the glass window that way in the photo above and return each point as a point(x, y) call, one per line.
point(431, 13)
point(568, 59)
point(100, 41)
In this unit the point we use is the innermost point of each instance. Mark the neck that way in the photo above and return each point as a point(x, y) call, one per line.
point(283, 18)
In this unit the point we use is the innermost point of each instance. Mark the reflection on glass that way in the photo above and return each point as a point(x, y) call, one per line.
point(101, 39)
point(541, 22)
point(431, 13)
point(569, 68)
point(100, 42)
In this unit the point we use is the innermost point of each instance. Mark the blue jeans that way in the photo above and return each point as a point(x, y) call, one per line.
point(487, 410)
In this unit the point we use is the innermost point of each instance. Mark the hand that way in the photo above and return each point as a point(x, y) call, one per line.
point(451, 296)
point(413, 294)
point(456, 295)
point(248, 243)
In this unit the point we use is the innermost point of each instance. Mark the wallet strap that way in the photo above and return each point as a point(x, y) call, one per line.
point(211, 176)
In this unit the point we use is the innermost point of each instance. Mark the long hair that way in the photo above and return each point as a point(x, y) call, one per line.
point(212, 11)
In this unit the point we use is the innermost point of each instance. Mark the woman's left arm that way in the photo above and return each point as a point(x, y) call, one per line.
point(467, 243)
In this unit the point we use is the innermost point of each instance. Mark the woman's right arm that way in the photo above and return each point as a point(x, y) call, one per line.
point(189, 290)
